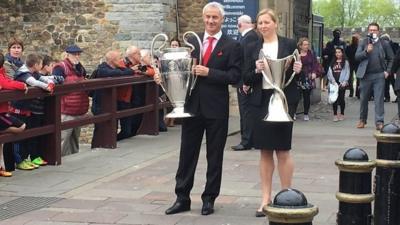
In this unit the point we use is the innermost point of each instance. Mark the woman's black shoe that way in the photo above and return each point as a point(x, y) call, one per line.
point(260, 214)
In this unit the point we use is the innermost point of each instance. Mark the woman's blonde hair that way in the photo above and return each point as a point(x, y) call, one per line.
point(301, 40)
point(269, 12)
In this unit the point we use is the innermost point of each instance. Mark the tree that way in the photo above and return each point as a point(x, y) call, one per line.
point(356, 13)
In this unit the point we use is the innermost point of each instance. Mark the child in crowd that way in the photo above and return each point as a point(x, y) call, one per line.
point(47, 70)
point(8, 123)
point(27, 110)
point(37, 117)
point(338, 73)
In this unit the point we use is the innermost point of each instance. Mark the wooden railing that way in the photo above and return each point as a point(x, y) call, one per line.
point(106, 121)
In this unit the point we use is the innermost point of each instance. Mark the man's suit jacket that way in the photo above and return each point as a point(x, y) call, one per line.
point(385, 52)
point(250, 37)
point(286, 47)
point(210, 97)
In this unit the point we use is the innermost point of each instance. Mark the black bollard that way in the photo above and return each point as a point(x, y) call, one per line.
point(290, 207)
point(355, 194)
point(387, 178)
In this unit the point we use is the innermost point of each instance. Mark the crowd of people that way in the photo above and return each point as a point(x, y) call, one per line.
point(225, 62)
point(18, 72)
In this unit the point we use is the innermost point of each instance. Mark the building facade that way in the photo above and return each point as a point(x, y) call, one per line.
point(47, 26)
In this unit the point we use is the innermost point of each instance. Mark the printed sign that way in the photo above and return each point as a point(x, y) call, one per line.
point(233, 10)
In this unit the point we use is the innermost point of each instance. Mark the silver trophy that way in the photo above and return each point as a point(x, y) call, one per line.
point(275, 75)
point(175, 65)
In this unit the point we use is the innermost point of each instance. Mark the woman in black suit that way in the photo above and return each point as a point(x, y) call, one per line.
point(270, 137)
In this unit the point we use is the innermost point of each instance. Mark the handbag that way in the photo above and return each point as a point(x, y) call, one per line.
point(333, 92)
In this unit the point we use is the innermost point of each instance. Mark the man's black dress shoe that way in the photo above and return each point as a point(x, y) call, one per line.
point(240, 147)
point(177, 207)
point(207, 209)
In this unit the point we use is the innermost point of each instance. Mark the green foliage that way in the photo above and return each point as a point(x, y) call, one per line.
point(357, 13)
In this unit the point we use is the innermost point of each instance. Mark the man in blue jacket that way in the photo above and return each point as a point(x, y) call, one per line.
point(109, 68)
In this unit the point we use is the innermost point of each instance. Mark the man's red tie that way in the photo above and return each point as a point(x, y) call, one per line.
point(209, 49)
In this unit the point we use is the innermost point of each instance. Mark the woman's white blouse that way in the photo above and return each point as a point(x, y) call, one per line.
point(270, 50)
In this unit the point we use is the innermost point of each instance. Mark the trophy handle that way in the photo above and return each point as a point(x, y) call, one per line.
point(152, 50)
point(271, 83)
point(296, 56)
point(192, 49)
point(267, 78)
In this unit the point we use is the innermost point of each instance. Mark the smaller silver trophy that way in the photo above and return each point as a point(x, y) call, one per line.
point(275, 76)
point(175, 65)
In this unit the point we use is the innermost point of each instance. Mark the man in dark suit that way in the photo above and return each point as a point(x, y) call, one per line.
point(209, 102)
point(247, 35)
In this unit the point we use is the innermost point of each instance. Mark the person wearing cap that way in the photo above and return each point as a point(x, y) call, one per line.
point(73, 105)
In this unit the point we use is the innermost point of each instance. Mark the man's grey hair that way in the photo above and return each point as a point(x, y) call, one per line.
point(244, 19)
point(144, 52)
point(130, 50)
point(215, 5)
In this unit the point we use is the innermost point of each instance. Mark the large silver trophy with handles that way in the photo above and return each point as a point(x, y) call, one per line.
point(275, 75)
point(175, 65)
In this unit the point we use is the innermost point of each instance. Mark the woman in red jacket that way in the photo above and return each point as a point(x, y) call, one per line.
point(8, 123)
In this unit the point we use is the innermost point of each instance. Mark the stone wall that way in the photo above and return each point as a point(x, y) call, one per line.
point(190, 15)
point(140, 20)
point(47, 26)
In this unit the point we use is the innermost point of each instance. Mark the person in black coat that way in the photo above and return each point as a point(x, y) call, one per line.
point(329, 51)
point(247, 36)
point(270, 137)
point(390, 80)
point(209, 103)
point(350, 53)
point(396, 73)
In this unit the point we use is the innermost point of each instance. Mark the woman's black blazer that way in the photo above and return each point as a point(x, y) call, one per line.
point(286, 47)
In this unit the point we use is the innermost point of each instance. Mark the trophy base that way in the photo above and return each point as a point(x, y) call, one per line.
point(278, 117)
point(178, 113)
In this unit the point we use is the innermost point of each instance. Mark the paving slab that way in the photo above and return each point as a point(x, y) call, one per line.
point(134, 183)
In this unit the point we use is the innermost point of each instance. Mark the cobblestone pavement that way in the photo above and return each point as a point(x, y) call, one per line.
point(134, 183)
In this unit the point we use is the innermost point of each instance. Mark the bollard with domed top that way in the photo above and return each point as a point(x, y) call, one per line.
point(355, 194)
point(387, 178)
point(290, 207)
